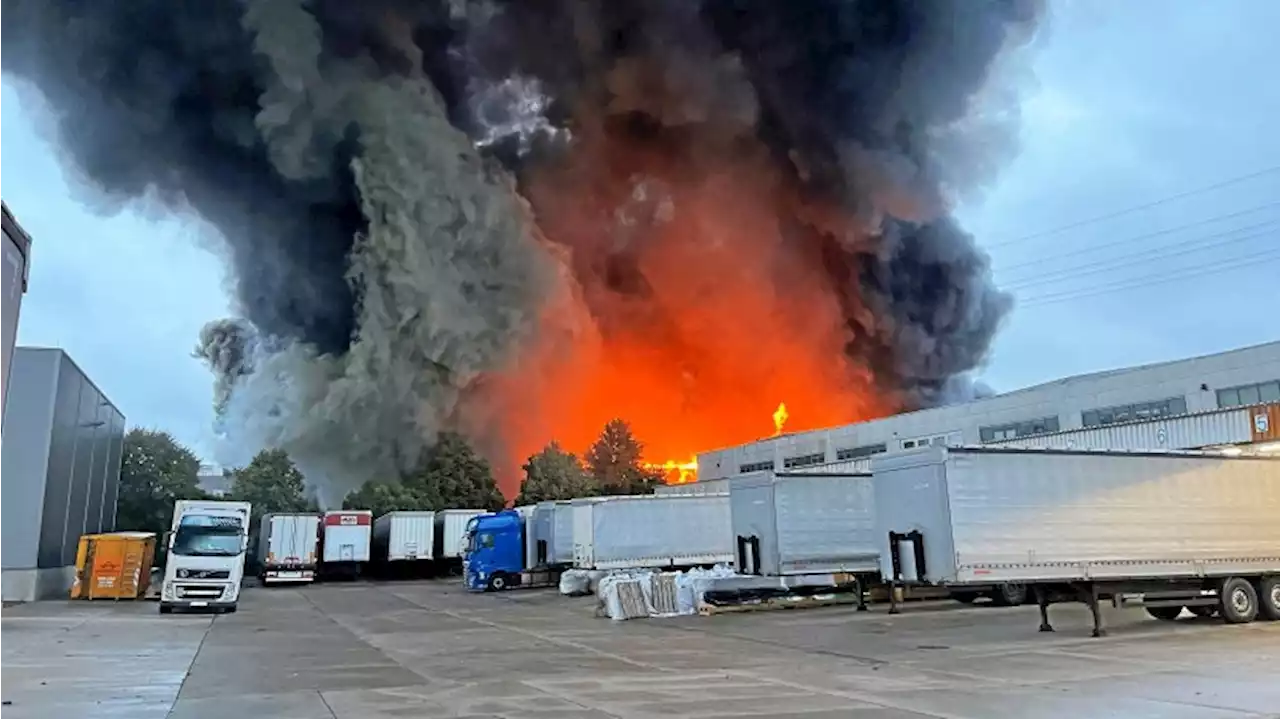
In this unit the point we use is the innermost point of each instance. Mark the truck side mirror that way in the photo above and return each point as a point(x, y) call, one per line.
point(168, 541)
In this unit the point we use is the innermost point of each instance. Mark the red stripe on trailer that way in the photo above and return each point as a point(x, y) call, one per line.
point(348, 518)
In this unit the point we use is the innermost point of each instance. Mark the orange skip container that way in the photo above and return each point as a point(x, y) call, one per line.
point(113, 566)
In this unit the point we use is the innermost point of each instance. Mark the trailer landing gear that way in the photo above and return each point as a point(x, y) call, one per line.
point(1085, 592)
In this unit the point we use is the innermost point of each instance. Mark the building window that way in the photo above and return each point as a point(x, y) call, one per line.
point(995, 433)
point(804, 460)
point(1249, 394)
point(859, 452)
point(755, 467)
point(1138, 411)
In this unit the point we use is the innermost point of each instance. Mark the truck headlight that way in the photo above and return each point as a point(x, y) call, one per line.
point(182, 573)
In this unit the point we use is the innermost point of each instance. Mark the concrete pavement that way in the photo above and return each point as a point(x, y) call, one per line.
point(428, 649)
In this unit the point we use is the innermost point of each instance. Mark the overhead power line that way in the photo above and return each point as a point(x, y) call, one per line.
point(1138, 208)
point(1252, 260)
point(1135, 238)
point(1145, 257)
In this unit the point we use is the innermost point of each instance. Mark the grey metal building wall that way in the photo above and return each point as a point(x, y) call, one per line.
point(17, 254)
point(61, 461)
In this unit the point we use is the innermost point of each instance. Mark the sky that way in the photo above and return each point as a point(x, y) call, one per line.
point(1128, 106)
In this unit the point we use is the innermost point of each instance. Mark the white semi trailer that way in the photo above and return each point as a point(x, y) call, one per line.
point(1192, 530)
point(656, 531)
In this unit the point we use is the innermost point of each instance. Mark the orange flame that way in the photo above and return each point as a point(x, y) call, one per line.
point(779, 418)
point(682, 302)
point(674, 472)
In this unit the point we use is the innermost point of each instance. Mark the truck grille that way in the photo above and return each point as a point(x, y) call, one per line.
point(204, 574)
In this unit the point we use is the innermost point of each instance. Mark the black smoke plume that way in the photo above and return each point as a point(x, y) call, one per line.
point(364, 163)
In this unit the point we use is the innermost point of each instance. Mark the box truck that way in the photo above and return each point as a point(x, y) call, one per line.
point(404, 536)
point(288, 547)
point(205, 564)
point(525, 547)
point(658, 531)
point(1181, 530)
point(346, 541)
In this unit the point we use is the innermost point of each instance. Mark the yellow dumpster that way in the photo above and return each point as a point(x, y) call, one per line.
point(113, 566)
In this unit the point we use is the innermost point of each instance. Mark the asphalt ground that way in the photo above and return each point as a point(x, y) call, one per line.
point(429, 649)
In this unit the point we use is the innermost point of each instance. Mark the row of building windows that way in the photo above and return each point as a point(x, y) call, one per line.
point(755, 467)
point(1250, 394)
point(1018, 429)
point(859, 452)
point(1134, 412)
point(804, 460)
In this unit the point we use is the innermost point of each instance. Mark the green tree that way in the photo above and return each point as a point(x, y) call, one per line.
point(271, 483)
point(449, 476)
point(614, 462)
point(155, 472)
point(383, 497)
point(554, 474)
point(452, 475)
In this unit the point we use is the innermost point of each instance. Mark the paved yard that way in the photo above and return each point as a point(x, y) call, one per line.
point(429, 649)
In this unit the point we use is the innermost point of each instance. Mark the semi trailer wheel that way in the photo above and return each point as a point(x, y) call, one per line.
point(1010, 595)
point(1164, 614)
point(1269, 598)
point(1237, 601)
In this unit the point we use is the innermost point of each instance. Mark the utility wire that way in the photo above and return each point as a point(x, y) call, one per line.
point(1109, 265)
point(1138, 208)
point(1236, 263)
point(1135, 238)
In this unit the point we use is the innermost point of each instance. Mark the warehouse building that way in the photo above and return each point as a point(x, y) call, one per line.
point(63, 440)
point(17, 253)
point(1226, 399)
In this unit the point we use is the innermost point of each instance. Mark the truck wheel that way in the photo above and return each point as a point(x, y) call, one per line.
point(1238, 601)
point(1010, 595)
point(1164, 614)
point(1269, 597)
point(498, 582)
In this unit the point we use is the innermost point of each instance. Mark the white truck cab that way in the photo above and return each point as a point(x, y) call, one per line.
point(206, 548)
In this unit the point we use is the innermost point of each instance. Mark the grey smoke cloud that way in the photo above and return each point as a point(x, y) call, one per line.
point(367, 164)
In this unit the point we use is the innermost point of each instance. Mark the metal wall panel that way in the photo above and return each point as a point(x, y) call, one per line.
point(62, 451)
point(26, 455)
point(1190, 431)
point(71, 455)
point(17, 258)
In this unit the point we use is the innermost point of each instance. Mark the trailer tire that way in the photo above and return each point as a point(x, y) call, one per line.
point(498, 582)
point(1164, 614)
point(1237, 601)
point(1010, 595)
point(1269, 598)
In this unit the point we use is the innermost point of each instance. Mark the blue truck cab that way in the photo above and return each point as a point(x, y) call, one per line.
point(495, 551)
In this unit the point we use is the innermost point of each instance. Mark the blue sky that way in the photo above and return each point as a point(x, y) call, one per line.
point(1129, 106)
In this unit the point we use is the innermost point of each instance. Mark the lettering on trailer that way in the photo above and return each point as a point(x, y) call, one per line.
point(347, 519)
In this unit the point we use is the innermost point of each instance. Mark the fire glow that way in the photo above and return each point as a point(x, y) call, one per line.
point(711, 312)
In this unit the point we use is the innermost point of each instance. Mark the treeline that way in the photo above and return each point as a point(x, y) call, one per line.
point(156, 470)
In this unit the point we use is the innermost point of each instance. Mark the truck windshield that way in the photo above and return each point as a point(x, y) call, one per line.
point(206, 536)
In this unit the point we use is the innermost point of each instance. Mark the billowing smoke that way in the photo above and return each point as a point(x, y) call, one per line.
point(519, 219)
